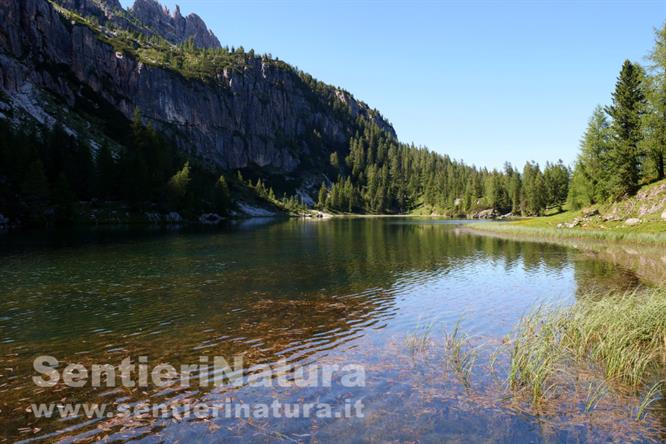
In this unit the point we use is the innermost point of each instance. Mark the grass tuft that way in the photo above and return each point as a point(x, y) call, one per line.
point(650, 398)
point(623, 334)
point(461, 355)
point(420, 341)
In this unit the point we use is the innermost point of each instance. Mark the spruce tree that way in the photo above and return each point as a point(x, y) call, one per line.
point(178, 185)
point(222, 195)
point(655, 119)
point(321, 198)
point(593, 166)
point(556, 180)
point(626, 110)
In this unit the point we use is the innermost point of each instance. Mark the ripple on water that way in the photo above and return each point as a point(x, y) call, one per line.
point(283, 294)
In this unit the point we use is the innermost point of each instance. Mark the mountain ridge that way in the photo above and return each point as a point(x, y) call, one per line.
point(246, 111)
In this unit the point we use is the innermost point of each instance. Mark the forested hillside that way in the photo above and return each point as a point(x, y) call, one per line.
point(624, 146)
point(166, 127)
point(623, 149)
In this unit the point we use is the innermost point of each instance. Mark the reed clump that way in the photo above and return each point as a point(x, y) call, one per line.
point(622, 334)
point(460, 353)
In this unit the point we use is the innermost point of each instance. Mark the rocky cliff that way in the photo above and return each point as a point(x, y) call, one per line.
point(147, 17)
point(260, 113)
point(174, 27)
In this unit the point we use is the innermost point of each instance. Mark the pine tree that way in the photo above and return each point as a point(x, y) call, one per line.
point(321, 198)
point(534, 190)
point(178, 185)
point(626, 110)
point(556, 182)
point(593, 167)
point(654, 143)
point(222, 195)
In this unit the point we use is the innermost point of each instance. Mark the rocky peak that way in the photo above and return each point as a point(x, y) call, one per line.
point(174, 27)
point(264, 115)
point(103, 10)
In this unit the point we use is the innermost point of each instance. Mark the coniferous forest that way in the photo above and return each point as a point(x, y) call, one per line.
point(49, 172)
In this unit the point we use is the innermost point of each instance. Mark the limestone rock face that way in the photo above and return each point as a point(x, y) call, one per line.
point(263, 115)
point(174, 27)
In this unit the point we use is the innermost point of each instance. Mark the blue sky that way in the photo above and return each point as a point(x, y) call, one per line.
point(483, 81)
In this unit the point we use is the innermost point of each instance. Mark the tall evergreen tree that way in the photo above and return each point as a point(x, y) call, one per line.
point(179, 184)
point(593, 165)
point(534, 190)
point(556, 182)
point(626, 110)
point(321, 197)
point(222, 195)
point(654, 142)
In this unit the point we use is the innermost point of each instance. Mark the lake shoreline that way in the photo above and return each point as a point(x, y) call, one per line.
point(557, 235)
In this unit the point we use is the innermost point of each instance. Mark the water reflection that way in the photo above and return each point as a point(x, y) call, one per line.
point(303, 291)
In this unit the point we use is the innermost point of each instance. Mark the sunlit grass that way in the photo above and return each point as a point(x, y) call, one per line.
point(534, 354)
point(419, 341)
point(461, 355)
point(623, 335)
point(594, 395)
point(620, 234)
point(650, 398)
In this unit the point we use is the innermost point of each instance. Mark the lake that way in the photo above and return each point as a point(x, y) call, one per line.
point(379, 294)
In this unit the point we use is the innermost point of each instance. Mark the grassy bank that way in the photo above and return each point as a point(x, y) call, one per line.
point(544, 229)
point(639, 219)
point(621, 335)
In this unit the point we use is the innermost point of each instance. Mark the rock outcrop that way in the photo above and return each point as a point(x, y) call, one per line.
point(174, 27)
point(263, 115)
point(147, 17)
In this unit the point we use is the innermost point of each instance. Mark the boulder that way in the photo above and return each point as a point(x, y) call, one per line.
point(590, 212)
point(632, 221)
point(612, 218)
point(573, 224)
point(663, 215)
point(486, 214)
